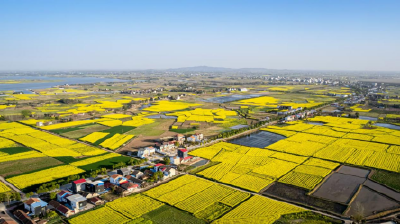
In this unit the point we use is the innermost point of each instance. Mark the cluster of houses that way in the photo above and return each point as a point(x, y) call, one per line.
point(236, 89)
point(182, 157)
point(85, 192)
point(143, 91)
point(163, 147)
point(284, 110)
point(300, 115)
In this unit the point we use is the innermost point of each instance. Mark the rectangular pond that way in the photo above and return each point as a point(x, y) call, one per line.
point(391, 126)
point(259, 139)
point(225, 99)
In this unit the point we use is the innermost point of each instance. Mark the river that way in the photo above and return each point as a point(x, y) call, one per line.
point(49, 81)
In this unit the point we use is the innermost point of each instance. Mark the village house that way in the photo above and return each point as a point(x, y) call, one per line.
point(118, 179)
point(175, 160)
point(95, 187)
point(124, 171)
point(156, 167)
point(35, 206)
point(168, 171)
point(96, 201)
point(77, 202)
point(129, 187)
point(147, 174)
point(137, 173)
point(78, 185)
point(180, 139)
point(62, 209)
point(165, 146)
point(62, 196)
point(23, 217)
point(89, 195)
point(146, 152)
point(195, 138)
point(183, 156)
point(135, 180)
point(182, 153)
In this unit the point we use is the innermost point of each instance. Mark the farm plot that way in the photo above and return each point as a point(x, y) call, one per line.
point(258, 209)
point(43, 176)
point(339, 187)
point(368, 202)
point(204, 115)
point(300, 195)
point(202, 198)
point(162, 106)
point(4, 188)
point(21, 166)
point(305, 176)
point(260, 139)
point(82, 131)
point(134, 206)
point(173, 215)
point(116, 141)
point(254, 168)
point(103, 215)
point(48, 144)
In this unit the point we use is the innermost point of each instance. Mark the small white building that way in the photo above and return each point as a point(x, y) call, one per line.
point(77, 201)
point(145, 152)
point(195, 138)
point(175, 160)
point(243, 89)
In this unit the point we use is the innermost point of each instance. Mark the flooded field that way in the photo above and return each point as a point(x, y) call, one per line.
point(391, 126)
point(225, 99)
point(339, 187)
point(368, 118)
point(353, 171)
point(383, 190)
point(161, 116)
point(315, 123)
point(369, 202)
point(239, 126)
point(297, 194)
point(260, 139)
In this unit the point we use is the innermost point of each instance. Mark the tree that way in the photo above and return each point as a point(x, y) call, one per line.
point(17, 196)
point(167, 160)
point(26, 113)
point(53, 195)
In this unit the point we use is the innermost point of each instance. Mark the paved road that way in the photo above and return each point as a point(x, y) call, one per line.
point(11, 186)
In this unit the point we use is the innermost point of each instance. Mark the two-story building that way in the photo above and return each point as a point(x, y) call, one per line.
point(35, 206)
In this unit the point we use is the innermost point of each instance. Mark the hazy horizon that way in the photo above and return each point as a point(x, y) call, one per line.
point(129, 35)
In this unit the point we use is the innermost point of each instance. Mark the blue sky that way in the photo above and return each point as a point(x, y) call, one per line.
point(298, 34)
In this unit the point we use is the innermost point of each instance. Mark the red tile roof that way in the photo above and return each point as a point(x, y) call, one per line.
point(80, 181)
point(183, 150)
point(116, 176)
point(32, 200)
point(63, 192)
point(159, 164)
point(63, 209)
point(187, 157)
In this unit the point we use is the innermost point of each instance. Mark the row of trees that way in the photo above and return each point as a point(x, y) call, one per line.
point(10, 196)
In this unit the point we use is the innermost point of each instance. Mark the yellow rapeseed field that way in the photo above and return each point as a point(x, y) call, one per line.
point(116, 141)
point(4, 188)
point(43, 176)
point(258, 209)
point(162, 106)
point(93, 137)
